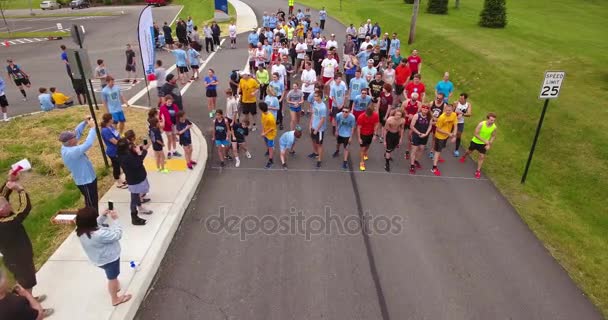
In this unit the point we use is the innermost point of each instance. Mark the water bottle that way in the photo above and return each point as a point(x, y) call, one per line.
point(134, 266)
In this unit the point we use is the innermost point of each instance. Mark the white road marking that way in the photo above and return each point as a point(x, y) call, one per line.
point(28, 40)
point(20, 41)
point(202, 67)
point(12, 42)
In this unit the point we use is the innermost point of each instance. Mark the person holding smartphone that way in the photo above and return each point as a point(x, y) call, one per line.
point(101, 244)
point(131, 158)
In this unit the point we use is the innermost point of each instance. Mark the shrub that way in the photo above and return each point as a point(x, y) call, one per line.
point(494, 14)
point(438, 7)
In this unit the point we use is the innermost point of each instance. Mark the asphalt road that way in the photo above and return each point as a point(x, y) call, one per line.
point(106, 37)
point(457, 249)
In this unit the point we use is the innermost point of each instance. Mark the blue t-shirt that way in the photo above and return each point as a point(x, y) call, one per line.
point(109, 133)
point(278, 87)
point(316, 31)
point(269, 35)
point(181, 126)
point(268, 51)
point(395, 44)
point(111, 96)
point(287, 140)
point(445, 88)
point(337, 93)
point(345, 125)
point(46, 104)
point(319, 110)
point(64, 56)
point(193, 55)
point(361, 103)
point(356, 85)
point(274, 103)
point(209, 80)
point(363, 56)
point(180, 57)
point(253, 38)
point(265, 20)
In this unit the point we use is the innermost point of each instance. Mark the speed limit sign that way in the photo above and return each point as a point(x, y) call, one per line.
point(552, 84)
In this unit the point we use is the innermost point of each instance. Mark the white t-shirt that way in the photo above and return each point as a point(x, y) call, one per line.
point(308, 76)
point(303, 47)
point(317, 41)
point(232, 108)
point(232, 31)
point(284, 51)
point(332, 43)
point(280, 69)
point(329, 67)
point(364, 45)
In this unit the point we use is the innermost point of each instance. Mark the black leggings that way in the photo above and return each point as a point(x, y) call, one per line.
point(135, 202)
point(115, 167)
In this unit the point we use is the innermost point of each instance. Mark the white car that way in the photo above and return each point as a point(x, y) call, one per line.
point(50, 5)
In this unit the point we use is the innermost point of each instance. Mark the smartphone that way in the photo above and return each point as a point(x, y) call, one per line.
point(110, 205)
point(145, 141)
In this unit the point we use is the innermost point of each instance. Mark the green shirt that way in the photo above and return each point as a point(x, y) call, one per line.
point(485, 133)
point(263, 76)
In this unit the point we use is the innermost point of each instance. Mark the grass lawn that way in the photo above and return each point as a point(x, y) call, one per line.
point(502, 70)
point(49, 183)
point(202, 12)
point(39, 34)
point(75, 14)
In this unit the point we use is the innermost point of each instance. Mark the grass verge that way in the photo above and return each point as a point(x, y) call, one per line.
point(49, 183)
point(39, 34)
point(58, 15)
point(502, 70)
point(202, 12)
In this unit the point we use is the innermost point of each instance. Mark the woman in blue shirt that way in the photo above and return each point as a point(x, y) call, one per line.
point(211, 85)
point(110, 138)
point(46, 102)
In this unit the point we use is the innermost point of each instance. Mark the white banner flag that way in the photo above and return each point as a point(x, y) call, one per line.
point(146, 41)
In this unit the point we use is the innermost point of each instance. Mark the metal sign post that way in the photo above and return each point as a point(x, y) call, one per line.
point(549, 90)
point(78, 37)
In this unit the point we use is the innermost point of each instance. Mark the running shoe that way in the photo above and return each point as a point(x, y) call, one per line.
point(344, 165)
point(417, 164)
point(365, 157)
point(477, 174)
point(229, 158)
point(412, 170)
point(456, 153)
point(462, 159)
point(313, 155)
point(268, 165)
point(284, 166)
point(145, 211)
point(222, 164)
point(177, 154)
point(380, 139)
point(292, 153)
point(387, 167)
point(237, 163)
point(431, 155)
point(266, 154)
point(134, 81)
point(362, 166)
point(189, 165)
point(436, 172)
point(210, 114)
point(24, 99)
point(407, 155)
point(168, 155)
point(248, 155)
point(318, 164)
point(164, 170)
point(336, 154)
point(254, 128)
point(193, 162)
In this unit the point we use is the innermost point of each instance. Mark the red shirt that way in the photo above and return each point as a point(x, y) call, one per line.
point(412, 87)
point(368, 124)
point(413, 62)
point(402, 74)
point(164, 113)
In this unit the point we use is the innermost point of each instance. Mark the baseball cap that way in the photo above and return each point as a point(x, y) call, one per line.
point(66, 136)
point(370, 61)
point(245, 73)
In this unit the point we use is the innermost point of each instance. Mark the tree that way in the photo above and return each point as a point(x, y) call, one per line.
point(438, 7)
point(413, 22)
point(457, 4)
point(494, 14)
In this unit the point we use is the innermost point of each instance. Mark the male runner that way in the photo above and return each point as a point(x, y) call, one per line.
point(248, 89)
point(463, 109)
point(485, 134)
point(131, 65)
point(345, 123)
point(269, 131)
point(410, 108)
point(337, 93)
point(317, 126)
point(420, 128)
point(436, 107)
point(446, 127)
point(367, 124)
point(361, 103)
point(393, 136)
point(287, 142)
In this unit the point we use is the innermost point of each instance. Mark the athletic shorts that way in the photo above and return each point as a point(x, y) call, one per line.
point(269, 143)
point(130, 68)
point(343, 141)
point(306, 94)
point(159, 92)
point(417, 141)
point(22, 81)
point(366, 140)
point(182, 69)
point(335, 111)
point(392, 141)
point(285, 146)
point(185, 141)
point(481, 148)
point(222, 143)
point(157, 147)
point(460, 127)
point(211, 93)
point(112, 269)
point(194, 66)
point(326, 79)
point(318, 137)
point(3, 101)
point(295, 109)
point(440, 144)
point(249, 108)
point(382, 116)
point(118, 117)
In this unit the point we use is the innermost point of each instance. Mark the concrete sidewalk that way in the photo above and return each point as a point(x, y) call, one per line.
point(76, 288)
point(245, 17)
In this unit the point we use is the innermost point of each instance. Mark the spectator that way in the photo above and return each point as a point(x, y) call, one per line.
point(75, 159)
point(3, 100)
point(131, 158)
point(168, 117)
point(64, 58)
point(101, 244)
point(61, 100)
point(216, 31)
point(19, 304)
point(170, 87)
point(79, 86)
point(46, 101)
point(181, 33)
point(110, 137)
point(195, 39)
point(168, 37)
point(208, 37)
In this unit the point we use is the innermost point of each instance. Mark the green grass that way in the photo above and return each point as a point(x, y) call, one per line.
point(39, 34)
point(562, 201)
point(19, 4)
point(75, 14)
point(202, 12)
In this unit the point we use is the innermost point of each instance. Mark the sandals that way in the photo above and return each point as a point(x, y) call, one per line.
point(123, 185)
point(122, 300)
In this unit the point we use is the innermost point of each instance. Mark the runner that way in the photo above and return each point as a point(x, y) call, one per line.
point(211, 92)
point(436, 107)
point(415, 86)
point(388, 75)
point(485, 134)
point(345, 123)
point(19, 77)
point(415, 63)
point(130, 65)
point(420, 128)
point(181, 62)
point(367, 124)
point(446, 127)
point(322, 17)
point(278, 88)
point(445, 86)
point(101, 72)
point(463, 109)
point(221, 135)
point(269, 131)
point(385, 101)
point(168, 117)
point(3, 100)
point(272, 101)
point(328, 68)
point(112, 100)
point(411, 107)
point(337, 93)
point(361, 103)
point(263, 78)
point(308, 78)
point(317, 127)
point(240, 131)
point(287, 142)
point(185, 138)
point(295, 99)
point(395, 44)
point(193, 57)
point(232, 106)
point(369, 69)
point(248, 88)
point(393, 136)
point(402, 76)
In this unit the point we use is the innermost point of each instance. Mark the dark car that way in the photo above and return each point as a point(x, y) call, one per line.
point(79, 4)
point(157, 3)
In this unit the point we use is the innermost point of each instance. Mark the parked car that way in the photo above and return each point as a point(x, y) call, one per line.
point(50, 5)
point(157, 3)
point(79, 4)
